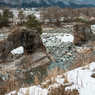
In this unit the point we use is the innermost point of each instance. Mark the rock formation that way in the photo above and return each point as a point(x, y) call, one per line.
point(34, 50)
point(82, 33)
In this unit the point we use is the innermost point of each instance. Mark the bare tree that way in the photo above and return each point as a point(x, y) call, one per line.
point(21, 16)
point(52, 14)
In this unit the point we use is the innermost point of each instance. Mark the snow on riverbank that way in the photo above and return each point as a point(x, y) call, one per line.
point(66, 38)
point(55, 39)
point(80, 77)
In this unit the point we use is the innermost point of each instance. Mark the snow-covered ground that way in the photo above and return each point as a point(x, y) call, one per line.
point(80, 77)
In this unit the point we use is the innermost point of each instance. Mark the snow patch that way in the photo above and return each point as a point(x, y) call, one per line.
point(66, 38)
point(18, 50)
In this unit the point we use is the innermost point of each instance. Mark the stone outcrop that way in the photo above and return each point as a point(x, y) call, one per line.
point(33, 60)
point(34, 50)
point(29, 39)
point(82, 33)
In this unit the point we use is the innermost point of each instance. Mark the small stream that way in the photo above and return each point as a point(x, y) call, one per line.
point(63, 52)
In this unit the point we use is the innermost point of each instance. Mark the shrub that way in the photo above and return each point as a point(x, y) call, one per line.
point(61, 91)
point(4, 18)
point(80, 20)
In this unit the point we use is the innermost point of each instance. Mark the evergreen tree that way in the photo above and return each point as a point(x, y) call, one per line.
point(7, 15)
point(34, 24)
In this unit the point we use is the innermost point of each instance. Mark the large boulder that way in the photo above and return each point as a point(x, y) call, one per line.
point(29, 39)
point(82, 33)
point(31, 42)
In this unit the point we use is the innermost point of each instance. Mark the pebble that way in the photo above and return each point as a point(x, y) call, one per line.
point(69, 54)
point(18, 71)
point(31, 73)
point(29, 69)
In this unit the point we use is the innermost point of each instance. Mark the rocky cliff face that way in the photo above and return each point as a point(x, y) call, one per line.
point(66, 2)
point(45, 3)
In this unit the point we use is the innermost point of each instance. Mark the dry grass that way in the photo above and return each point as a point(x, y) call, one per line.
point(9, 86)
point(60, 72)
point(66, 79)
point(51, 77)
point(53, 73)
point(27, 93)
point(61, 91)
point(83, 60)
point(36, 80)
